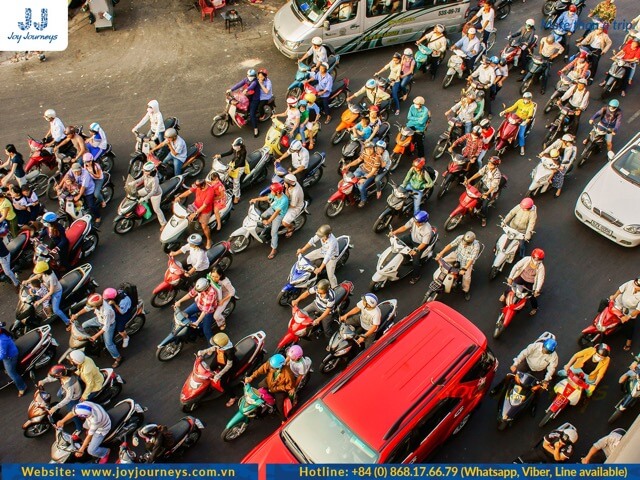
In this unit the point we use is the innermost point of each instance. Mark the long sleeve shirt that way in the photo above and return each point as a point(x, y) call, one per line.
point(465, 254)
point(608, 118)
point(154, 117)
point(472, 145)
point(329, 248)
point(91, 376)
point(151, 187)
point(567, 22)
point(522, 220)
point(324, 85)
point(418, 118)
point(519, 267)
point(375, 95)
point(597, 41)
point(469, 46)
point(8, 348)
point(523, 110)
point(605, 12)
point(465, 111)
point(419, 180)
point(577, 99)
point(538, 360)
point(71, 390)
point(485, 74)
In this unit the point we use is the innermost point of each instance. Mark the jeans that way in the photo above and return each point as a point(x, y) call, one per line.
point(468, 126)
point(98, 191)
point(417, 198)
point(177, 163)
point(522, 130)
point(398, 89)
point(419, 139)
point(275, 226)
point(363, 186)
point(379, 178)
point(253, 111)
point(11, 366)
point(5, 263)
point(354, 321)
point(56, 298)
point(69, 408)
point(107, 336)
point(480, 157)
point(94, 449)
point(92, 206)
point(324, 101)
point(192, 311)
point(327, 322)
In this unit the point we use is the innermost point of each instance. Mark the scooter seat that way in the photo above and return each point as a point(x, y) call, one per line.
point(74, 232)
point(215, 251)
point(172, 122)
point(382, 131)
point(117, 414)
point(27, 343)
point(192, 151)
point(16, 244)
point(180, 429)
point(253, 158)
point(169, 185)
point(314, 161)
point(70, 281)
point(385, 311)
point(340, 292)
point(337, 86)
point(244, 349)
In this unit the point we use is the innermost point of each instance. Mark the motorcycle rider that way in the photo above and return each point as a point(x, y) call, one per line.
point(368, 167)
point(486, 75)
point(530, 273)
point(324, 88)
point(292, 115)
point(527, 36)
point(196, 256)
point(567, 22)
point(556, 447)
point(576, 97)
point(53, 235)
point(470, 45)
point(485, 17)
point(502, 73)
point(627, 300)
point(202, 206)
point(630, 52)
point(99, 425)
point(593, 362)
point(609, 117)
point(5, 259)
point(419, 238)
point(317, 52)
point(296, 195)
point(265, 91)
point(600, 451)
point(465, 249)
point(88, 372)
point(490, 177)
point(274, 215)
point(69, 393)
point(361, 131)
point(523, 218)
point(10, 356)
point(157, 439)
point(385, 163)
point(121, 304)
point(328, 252)
point(321, 309)
point(151, 191)
point(55, 134)
point(312, 127)
point(367, 322)
point(419, 118)
point(566, 146)
point(224, 353)
point(525, 109)
point(577, 68)
point(417, 180)
point(487, 135)
point(436, 40)
point(605, 12)
point(72, 140)
point(464, 111)
point(156, 122)
point(395, 68)
point(97, 143)
point(177, 150)
point(205, 303)
point(278, 380)
point(473, 145)
point(407, 70)
point(299, 159)
point(251, 90)
point(373, 93)
point(598, 43)
point(238, 166)
point(43, 271)
point(549, 49)
point(298, 363)
point(87, 190)
point(226, 291)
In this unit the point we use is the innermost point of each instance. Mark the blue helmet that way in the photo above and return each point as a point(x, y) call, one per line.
point(614, 103)
point(277, 361)
point(49, 217)
point(94, 127)
point(302, 103)
point(494, 60)
point(371, 83)
point(550, 345)
point(82, 410)
point(421, 217)
point(370, 299)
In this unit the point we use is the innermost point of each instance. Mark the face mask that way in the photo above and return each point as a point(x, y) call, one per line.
point(596, 358)
point(236, 148)
point(535, 261)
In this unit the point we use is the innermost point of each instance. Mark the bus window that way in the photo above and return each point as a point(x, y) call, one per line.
point(382, 7)
point(345, 12)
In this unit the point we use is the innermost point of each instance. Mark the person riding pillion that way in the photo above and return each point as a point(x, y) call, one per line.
point(419, 238)
point(205, 298)
point(490, 178)
point(523, 218)
point(465, 249)
point(328, 251)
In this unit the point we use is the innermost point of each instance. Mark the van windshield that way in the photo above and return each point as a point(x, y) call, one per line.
point(628, 165)
point(316, 435)
point(312, 10)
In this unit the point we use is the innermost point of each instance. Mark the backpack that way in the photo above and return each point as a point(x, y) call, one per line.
point(131, 291)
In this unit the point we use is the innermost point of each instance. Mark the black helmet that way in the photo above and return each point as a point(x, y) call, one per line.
point(603, 350)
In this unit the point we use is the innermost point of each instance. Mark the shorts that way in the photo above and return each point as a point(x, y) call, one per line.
point(204, 218)
point(291, 215)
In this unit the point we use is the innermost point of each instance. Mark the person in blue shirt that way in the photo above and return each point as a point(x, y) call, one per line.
point(361, 130)
point(250, 88)
point(567, 22)
point(177, 150)
point(324, 86)
point(279, 204)
point(470, 45)
point(87, 189)
point(266, 91)
point(418, 119)
point(9, 356)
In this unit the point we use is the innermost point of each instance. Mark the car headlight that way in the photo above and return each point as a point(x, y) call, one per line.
point(292, 45)
point(586, 200)
point(632, 229)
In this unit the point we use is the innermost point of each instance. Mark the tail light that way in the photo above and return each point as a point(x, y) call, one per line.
point(284, 141)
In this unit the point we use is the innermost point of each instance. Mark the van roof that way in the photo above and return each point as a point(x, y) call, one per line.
point(384, 385)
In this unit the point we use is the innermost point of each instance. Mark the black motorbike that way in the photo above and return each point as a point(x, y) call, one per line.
point(537, 68)
point(615, 76)
point(595, 143)
point(518, 395)
point(552, 9)
point(400, 204)
point(453, 132)
point(561, 124)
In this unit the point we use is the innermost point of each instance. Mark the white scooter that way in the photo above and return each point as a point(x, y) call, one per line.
point(395, 262)
point(541, 176)
point(179, 223)
point(253, 228)
point(506, 249)
point(456, 66)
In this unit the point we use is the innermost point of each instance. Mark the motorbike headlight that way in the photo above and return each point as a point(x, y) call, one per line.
point(632, 229)
point(301, 333)
point(343, 351)
point(585, 199)
point(193, 384)
point(291, 44)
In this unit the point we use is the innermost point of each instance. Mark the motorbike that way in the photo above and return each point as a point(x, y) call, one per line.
point(132, 212)
point(605, 323)
point(445, 278)
point(348, 193)
point(405, 144)
point(179, 224)
point(21, 250)
point(236, 113)
point(350, 151)
point(186, 434)
point(191, 168)
point(175, 280)
point(296, 87)
point(200, 385)
point(568, 392)
point(513, 51)
point(126, 417)
point(518, 396)
point(564, 84)
point(314, 172)
point(337, 98)
point(39, 157)
point(541, 176)
point(253, 229)
point(456, 65)
point(302, 275)
point(348, 119)
point(505, 249)
point(595, 142)
point(301, 325)
point(395, 262)
point(631, 391)
point(615, 76)
point(144, 144)
point(343, 346)
point(537, 67)
point(454, 131)
point(515, 301)
point(36, 349)
point(76, 286)
point(455, 173)
point(70, 210)
point(501, 7)
point(507, 133)
point(469, 203)
point(400, 204)
point(257, 160)
point(561, 124)
point(278, 139)
point(552, 9)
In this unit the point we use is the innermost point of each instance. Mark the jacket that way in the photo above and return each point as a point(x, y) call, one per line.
point(70, 387)
point(522, 220)
point(8, 348)
point(519, 267)
point(284, 382)
point(609, 119)
point(606, 41)
point(417, 180)
point(156, 122)
point(583, 355)
point(91, 376)
point(418, 119)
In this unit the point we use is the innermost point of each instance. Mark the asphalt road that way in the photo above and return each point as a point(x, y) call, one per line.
point(109, 78)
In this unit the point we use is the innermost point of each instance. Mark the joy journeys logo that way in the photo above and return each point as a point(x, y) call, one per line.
point(27, 25)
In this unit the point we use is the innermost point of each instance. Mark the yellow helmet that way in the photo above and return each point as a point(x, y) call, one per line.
point(41, 267)
point(555, 153)
point(310, 98)
point(220, 339)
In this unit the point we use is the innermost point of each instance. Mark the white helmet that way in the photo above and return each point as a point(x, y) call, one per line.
point(50, 113)
point(171, 133)
point(527, 95)
point(471, 31)
point(77, 356)
point(530, 22)
point(290, 178)
point(316, 41)
point(408, 52)
point(296, 146)
point(202, 284)
point(567, 137)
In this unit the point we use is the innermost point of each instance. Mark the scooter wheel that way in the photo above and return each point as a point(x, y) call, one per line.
point(333, 209)
point(163, 298)
point(286, 297)
point(169, 351)
point(231, 433)
point(219, 127)
point(612, 419)
point(124, 225)
point(329, 364)
point(37, 429)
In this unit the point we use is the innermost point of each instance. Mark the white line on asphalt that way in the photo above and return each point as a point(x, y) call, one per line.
point(635, 115)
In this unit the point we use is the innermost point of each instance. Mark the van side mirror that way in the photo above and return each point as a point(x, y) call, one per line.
point(326, 25)
point(610, 155)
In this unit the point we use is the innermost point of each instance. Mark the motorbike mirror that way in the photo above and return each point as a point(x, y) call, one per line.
point(32, 375)
point(326, 25)
point(610, 155)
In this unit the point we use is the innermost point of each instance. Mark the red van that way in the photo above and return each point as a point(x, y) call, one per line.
point(396, 402)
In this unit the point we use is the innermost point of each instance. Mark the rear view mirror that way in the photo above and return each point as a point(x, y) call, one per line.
point(326, 25)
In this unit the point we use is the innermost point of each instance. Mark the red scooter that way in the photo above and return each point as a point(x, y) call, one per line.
point(201, 386)
point(513, 50)
point(301, 325)
point(348, 193)
point(20, 249)
point(514, 302)
point(605, 323)
point(456, 172)
point(40, 155)
point(568, 391)
point(470, 203)
point(507, 132)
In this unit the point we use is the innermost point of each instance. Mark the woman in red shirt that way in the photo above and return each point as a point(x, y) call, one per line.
point(630, 52)
point(219, 196)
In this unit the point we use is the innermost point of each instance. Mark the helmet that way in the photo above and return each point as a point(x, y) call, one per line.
point(316, 41)
point(323, 285)
point(528, 95)
point(371, 83)
point(147, 432)
point(302, 103)
point(264, 72)
point(469, 237)
point(220, 339)
point(40, 267)
point(479, 95)
point(77, 356)
point(567, 137)
point(494, 59)
point(573, 8)
point(370, 299)
point(537, 254)
point(171, 133)
point(94, 127)
point(485, 123)
point(614, 103)
point(325, 65)
point(421, 216)
point(251, 72)
point(296, 146)
point(58, 371)
point(530, 22)
point(418, 101)
point(419, 163)
point(70, 130)
point(570, 435)
point(526, 203)
point(381, 83)
point(550, 345)
point(582, 81)
point(555, 153)
point(471, 31)
point(148, 167)
point(397, 55)
point(87, 157)
point(277, 361)
point(50, 113)
point(277, 188)
point(202, 284)
point(603, 350)
point(381, 144)
point(109, 293)
point(495, 160)
point(477, 130)
point(94, 300)
point(195, 239)
point(290, 178)
point(82, 410)
point(237, 142)
point(369, 144)
point(408, 52)
point(439, 28)
point(503, 62)
point(324, 230)
point(295, 352)
point(291, 101)
point(310, 98)
point(49, 217)
point(374, 108)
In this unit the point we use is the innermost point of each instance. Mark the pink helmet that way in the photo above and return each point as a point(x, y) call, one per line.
point(526, 203)
point(87, 157)
point(295, 352)
point(109, 294)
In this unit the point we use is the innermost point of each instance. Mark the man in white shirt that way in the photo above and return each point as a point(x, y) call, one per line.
point(577, 97)
point(600, 451)
point(486, 75)
point(299, 159)
point(487, 16)
point(177, 150)
point(294, 191)
point(55, 134)
point(627, 300)
point(419, 238)
point(368, 321)
point(105, 321)
point(196, 255)
point(98, 425)
point(328, 252)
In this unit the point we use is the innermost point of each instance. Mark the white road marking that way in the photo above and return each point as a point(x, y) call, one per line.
point(635, 115)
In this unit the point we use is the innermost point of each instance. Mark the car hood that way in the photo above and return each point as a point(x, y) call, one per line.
point(289, 26)
point(270, 450)
point(613, 194)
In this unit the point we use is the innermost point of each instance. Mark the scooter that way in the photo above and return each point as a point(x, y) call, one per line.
point(515, 301)
point(348, 193)
point(568, 392)
point(513, 51)
point(302, 275)
point(469, 203)
point(595, 142)
point(445, 278)
point(350, 151)
point(185, 433)
point(314, 172)
point(126, 417)
point(179, 224)
point(236, 113)
point(71, 210)
point(537, 67)
point(338, 96)
point(519, 396)
point(400, 204)
point(278, 138)
point(144, 144)
point(258, 161)
point(456, 173)
point(132, 212)
point(200, 385)
point(64, 164)
point(191, 168)
point(395, 262)
point(76, 286)
point(456, 65)
point(560, 125)
point(605, 323)
point(507, 133)
point(541, 176)
point(501, 7)
point(175, 280)
point(405, 144)
point(39, 157)
point(631, 390)
point(348, 119)
point(454, 131)
point(343, 346)
point(552, 9)
point(296, 88)
point(506, 248)
point(301, 325)
point(21, 250)
point(253, 228)
point(562, 85)
point(615, 77)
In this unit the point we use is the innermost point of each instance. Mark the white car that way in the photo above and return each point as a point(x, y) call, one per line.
point(610, 203)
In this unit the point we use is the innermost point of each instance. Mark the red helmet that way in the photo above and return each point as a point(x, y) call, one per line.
point(419, 163)
point(277, 188)
point(583, 54)
point(526, 203)
point(495, 160)
point(537, 254)
point(264, 70)
point(58, 371)
point(374, 108)
point(573, 8)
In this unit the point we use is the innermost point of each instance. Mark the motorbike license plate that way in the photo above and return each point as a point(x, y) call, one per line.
point(602, 228)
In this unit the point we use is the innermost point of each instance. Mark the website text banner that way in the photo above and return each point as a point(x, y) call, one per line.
point(453, 472)
point(195, 471)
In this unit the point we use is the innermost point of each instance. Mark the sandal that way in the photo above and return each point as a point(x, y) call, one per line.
point(223, 326)
point(272, 255)
point(289, 233)
point(328, 119)
point(231, 402)
point(533, 312)
point(117, 363)
point(21, 393)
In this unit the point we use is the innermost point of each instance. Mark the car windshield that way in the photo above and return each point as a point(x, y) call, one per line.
point(313, 10)
point(316, 435)
point(628, 165)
